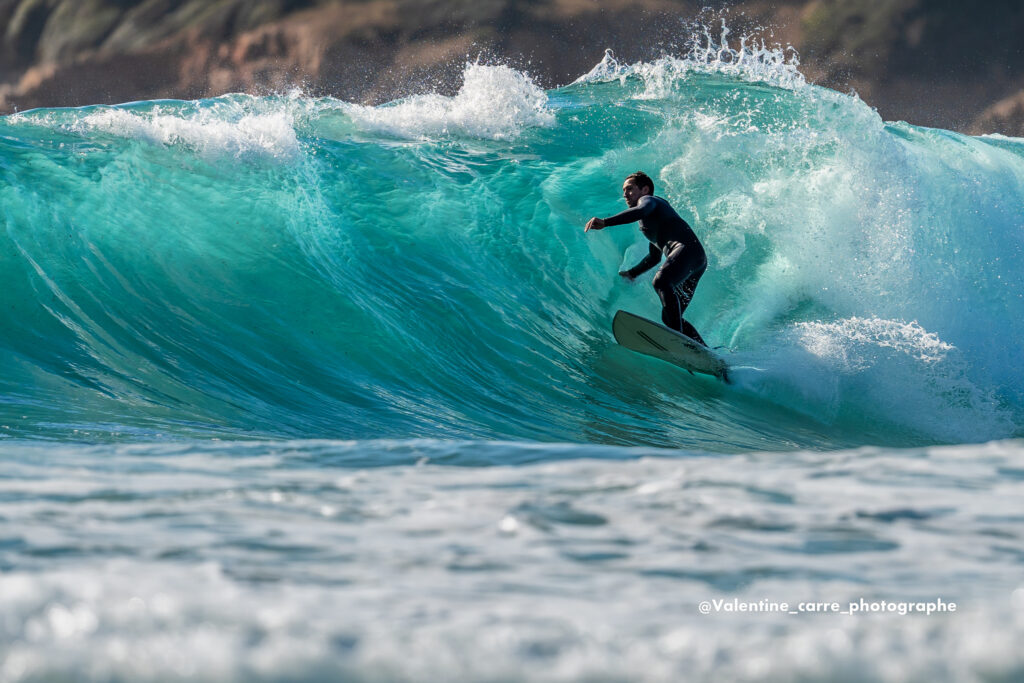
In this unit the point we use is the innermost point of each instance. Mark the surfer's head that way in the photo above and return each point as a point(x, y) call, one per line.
point(635, 186)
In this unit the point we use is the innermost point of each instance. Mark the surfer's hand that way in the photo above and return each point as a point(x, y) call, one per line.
point(594, 224)
point(628, 275)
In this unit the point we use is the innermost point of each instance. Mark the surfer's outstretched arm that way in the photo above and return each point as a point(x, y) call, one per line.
point(652, 259)
point(643, 207)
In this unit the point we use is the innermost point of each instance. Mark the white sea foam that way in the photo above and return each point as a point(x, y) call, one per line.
point(219, 563)
point(896, 372)
point(495, 102)
point(215, 131)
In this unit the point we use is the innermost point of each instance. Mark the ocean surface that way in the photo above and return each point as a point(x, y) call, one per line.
point(295, 389)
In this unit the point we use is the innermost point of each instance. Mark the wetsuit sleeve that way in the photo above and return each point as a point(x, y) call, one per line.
point(641, 210)
point(652, 259)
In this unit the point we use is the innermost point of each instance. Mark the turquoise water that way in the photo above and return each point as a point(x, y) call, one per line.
point(245, 339)
point(286, 267)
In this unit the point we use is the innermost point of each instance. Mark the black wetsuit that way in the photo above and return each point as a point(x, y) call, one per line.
point(685, 261)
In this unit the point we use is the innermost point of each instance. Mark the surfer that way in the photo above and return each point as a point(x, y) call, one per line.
point(670, 236)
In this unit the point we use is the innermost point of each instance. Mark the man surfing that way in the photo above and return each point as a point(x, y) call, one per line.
point(670, 236)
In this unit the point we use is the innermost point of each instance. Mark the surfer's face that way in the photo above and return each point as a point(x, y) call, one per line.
point(632, 193)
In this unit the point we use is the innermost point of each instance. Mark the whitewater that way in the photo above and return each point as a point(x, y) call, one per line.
point(293, 388)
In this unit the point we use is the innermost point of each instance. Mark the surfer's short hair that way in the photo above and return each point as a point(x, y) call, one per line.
point(641, 180)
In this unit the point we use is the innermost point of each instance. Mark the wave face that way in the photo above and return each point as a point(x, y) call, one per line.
point(309, 268)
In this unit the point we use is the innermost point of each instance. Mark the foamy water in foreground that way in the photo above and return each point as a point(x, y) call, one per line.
point(404, 561)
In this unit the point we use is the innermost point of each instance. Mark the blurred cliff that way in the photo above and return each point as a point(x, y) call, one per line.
point(937, 63)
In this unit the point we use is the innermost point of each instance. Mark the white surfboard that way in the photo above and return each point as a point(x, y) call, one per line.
point(654, 339)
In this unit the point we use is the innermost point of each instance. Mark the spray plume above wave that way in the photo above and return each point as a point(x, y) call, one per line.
point(295, 267)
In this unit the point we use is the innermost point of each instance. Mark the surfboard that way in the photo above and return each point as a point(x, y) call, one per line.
point(654, 339)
